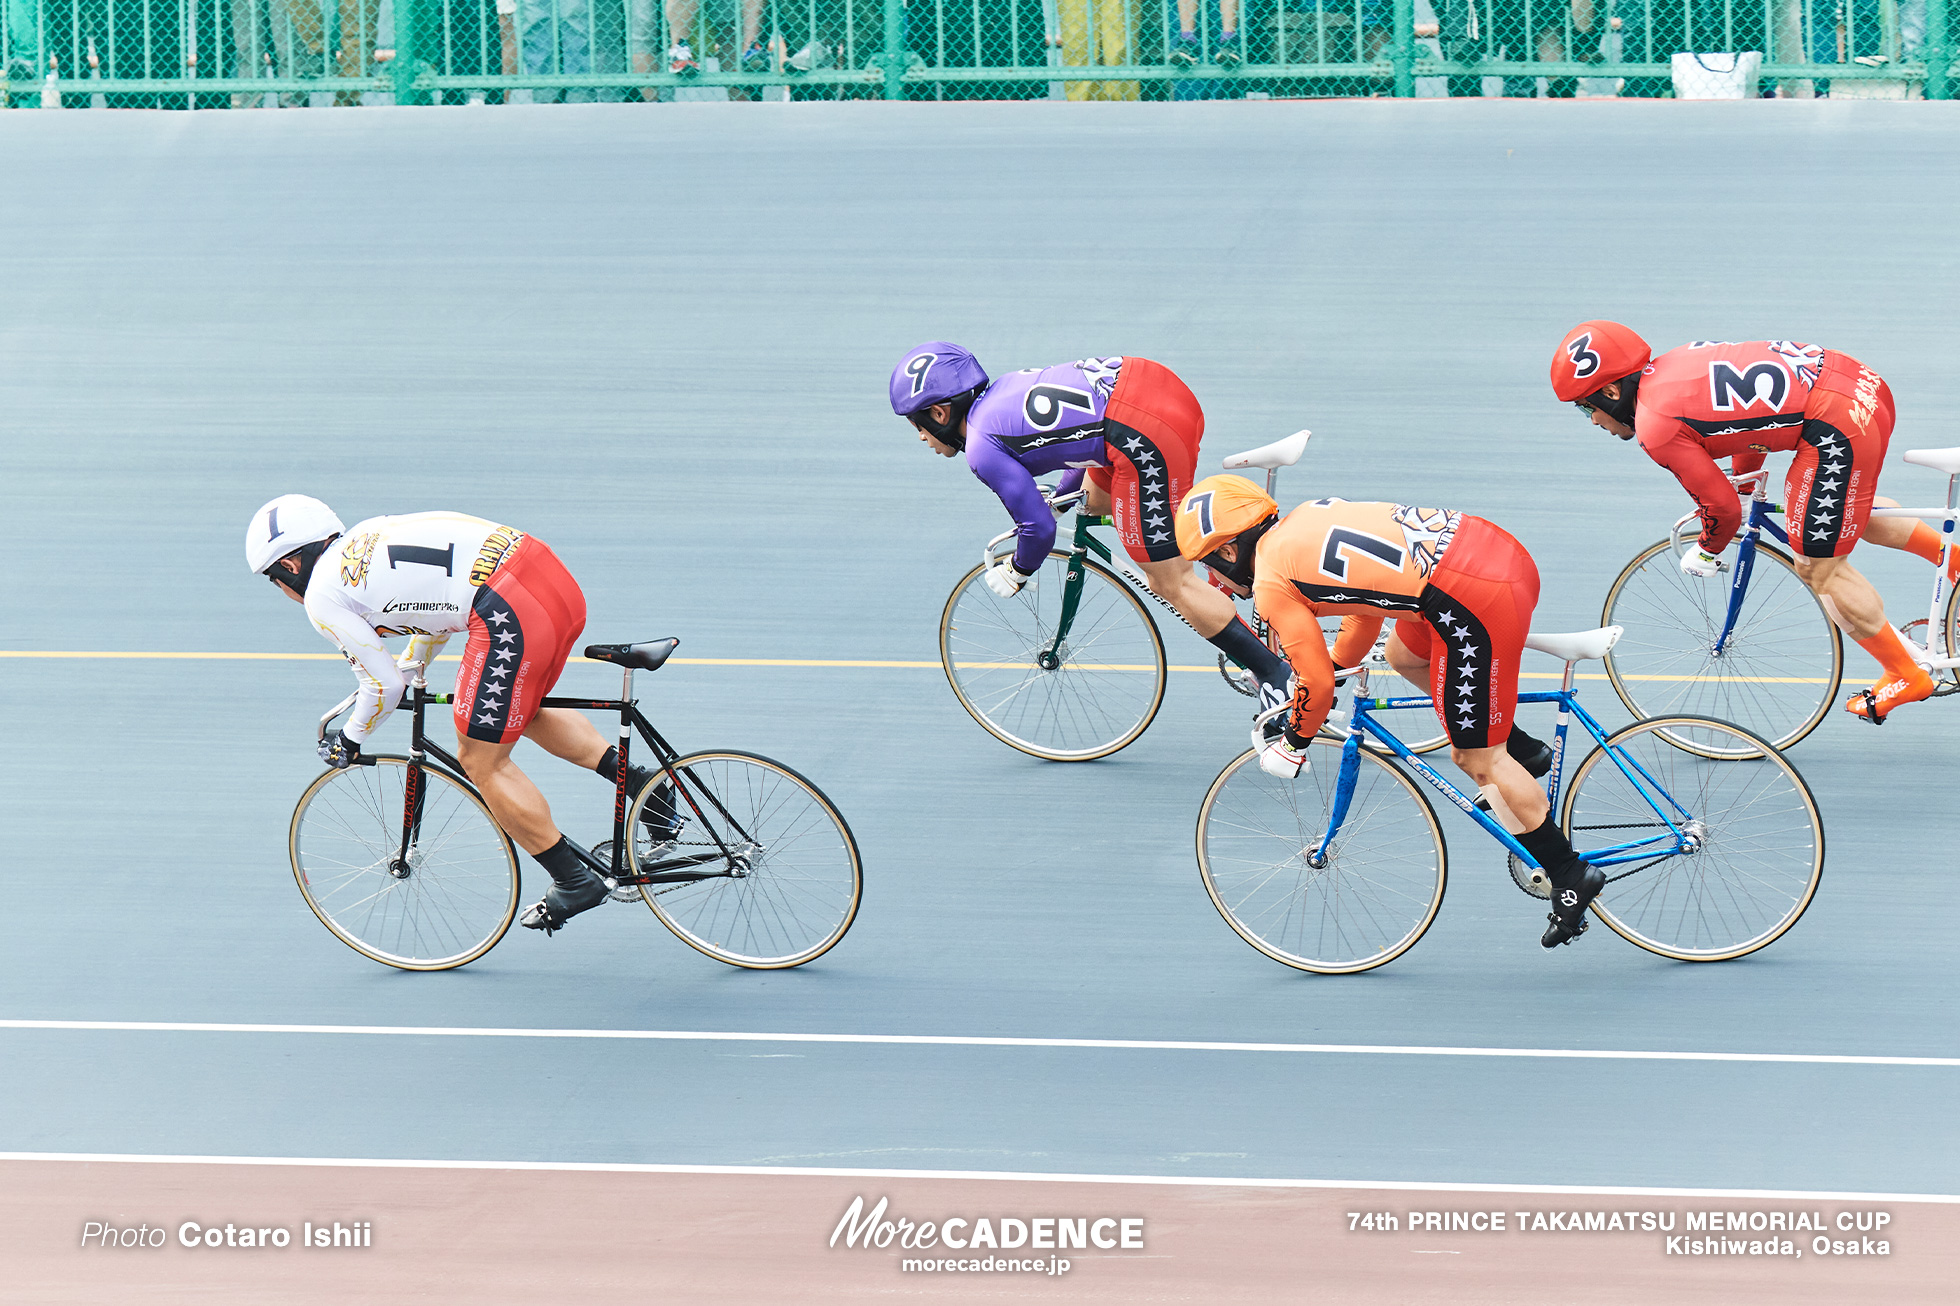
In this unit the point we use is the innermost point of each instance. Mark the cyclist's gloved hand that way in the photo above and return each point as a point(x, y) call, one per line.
point(1006, 579)
point(338, 751)
point(1700, 562)
point(1282, 758)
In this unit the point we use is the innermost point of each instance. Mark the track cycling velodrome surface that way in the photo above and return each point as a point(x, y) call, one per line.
point(658, 340)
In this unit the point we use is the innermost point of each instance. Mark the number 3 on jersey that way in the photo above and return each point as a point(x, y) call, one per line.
point(1345, 539)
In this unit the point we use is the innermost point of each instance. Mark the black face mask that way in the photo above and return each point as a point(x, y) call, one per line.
point(307, 554)
point(1621, 409)
point(1239, 571)
point(949, 432)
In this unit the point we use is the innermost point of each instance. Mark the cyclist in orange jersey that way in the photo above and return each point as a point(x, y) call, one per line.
point(1741, 400)
point(1461, 592)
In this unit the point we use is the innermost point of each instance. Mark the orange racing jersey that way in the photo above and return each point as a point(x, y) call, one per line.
point(1360, 561)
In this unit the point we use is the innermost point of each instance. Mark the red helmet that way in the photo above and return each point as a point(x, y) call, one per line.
point(1594, 355)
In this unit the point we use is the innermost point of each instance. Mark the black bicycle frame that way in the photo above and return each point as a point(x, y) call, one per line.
point(686, 785)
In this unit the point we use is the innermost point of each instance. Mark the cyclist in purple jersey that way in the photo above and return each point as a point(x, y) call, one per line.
point(1127, 425)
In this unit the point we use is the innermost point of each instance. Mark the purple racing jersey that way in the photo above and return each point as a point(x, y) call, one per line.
point(1035, 421)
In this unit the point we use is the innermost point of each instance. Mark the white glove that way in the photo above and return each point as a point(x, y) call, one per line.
point(1006, 579)
point(1282, 761)
point(1700, 562)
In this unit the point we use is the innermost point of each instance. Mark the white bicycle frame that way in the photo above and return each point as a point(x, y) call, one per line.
point(1945, 517)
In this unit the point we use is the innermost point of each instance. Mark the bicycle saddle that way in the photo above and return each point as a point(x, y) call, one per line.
point(1940, 460)
point(1578, 645)
point(1280, 453)
point(646, 657)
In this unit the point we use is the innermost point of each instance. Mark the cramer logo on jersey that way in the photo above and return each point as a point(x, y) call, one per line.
point(496, 547)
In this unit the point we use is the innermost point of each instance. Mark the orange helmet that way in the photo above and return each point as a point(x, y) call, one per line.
point(1222, 510)
point(1593, 355)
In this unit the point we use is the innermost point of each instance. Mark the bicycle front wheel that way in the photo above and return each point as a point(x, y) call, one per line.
point(1085, 698)
point(1778, 674)
point(444, 906)
point(1758, 843)
point(787, 886)
point(1378, 889)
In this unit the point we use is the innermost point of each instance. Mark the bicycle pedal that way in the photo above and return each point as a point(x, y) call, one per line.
point(1871, 712)
point(624, 893)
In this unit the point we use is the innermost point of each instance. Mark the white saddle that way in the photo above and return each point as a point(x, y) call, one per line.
point(1578, 645)
point(1940, 460)
point(1280, 453)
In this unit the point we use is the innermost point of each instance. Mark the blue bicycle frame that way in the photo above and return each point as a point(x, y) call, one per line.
point(1760, 511)
point(1674, 832)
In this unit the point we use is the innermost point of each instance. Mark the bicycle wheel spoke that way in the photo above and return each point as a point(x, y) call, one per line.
point(1377, 891)
point(1757, 849)
point(799, 880)
point(459, 890)
point(1777, 675)
point(1107, 675)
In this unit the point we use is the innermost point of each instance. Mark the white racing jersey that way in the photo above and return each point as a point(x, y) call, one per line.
point(414, 575)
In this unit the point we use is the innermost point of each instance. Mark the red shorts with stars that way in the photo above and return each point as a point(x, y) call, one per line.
point(523, 624)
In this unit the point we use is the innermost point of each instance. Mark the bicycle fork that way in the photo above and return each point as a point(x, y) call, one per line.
point(415, 791)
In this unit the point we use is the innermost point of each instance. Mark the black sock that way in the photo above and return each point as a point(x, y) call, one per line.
point(562, 862)
point(658, 815)
point(1238, 643)
point(1550, 848)
point(636, 776)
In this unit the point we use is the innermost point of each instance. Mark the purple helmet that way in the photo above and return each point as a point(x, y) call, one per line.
point(937, 372)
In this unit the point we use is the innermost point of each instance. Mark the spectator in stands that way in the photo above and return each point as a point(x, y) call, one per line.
point(1097, 32)
point(1187, 48)
point(1518, 30)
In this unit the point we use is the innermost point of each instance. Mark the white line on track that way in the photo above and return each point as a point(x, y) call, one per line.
point(959, 1040)
point(828, 1172)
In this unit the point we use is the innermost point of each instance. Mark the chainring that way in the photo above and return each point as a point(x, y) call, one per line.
point(1534, 882)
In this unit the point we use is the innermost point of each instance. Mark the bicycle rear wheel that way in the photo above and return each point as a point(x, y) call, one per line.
point(1759, 840)
point(1106, 680)
point(450, 902)
point(1778, 675)
point(1379, 889)
point(788, 888)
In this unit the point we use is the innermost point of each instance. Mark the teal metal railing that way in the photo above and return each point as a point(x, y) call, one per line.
point(199, 54)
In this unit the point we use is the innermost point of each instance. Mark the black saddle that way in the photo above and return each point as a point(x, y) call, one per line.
point(645, 657)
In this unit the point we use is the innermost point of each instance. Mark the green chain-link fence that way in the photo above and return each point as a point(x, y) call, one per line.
point(252, 53)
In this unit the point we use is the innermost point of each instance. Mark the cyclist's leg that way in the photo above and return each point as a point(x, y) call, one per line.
point(514, 800)
point(1409, 651)
point(523, 623)
point(1152, 432)
point(568, 734)
point(1828, 499)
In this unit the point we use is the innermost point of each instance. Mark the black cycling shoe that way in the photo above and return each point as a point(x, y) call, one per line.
point(1569, 903)
point(561, 902)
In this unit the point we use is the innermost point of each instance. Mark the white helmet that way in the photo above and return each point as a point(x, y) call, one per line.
point(291, 521)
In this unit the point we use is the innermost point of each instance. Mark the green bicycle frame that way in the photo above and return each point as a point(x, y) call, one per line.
point(1085, 543)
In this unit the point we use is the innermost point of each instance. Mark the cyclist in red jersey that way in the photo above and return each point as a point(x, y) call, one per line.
point(1741, 400)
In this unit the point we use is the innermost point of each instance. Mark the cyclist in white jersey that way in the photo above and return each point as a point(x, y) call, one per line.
point(430, 575)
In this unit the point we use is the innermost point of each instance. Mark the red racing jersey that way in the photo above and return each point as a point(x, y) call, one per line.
point(1725, 399)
